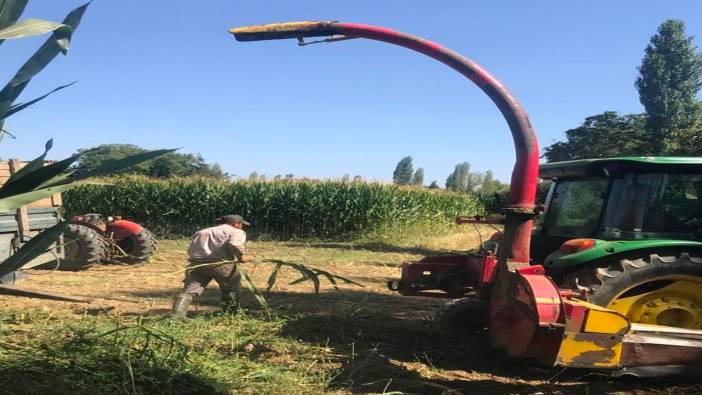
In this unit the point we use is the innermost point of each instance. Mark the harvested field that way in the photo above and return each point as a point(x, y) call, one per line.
point(355, 340)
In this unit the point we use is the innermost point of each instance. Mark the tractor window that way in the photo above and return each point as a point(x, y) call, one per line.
point(575, 207)
point(654, 206)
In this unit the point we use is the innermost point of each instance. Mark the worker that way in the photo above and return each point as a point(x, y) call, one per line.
point(213, 254)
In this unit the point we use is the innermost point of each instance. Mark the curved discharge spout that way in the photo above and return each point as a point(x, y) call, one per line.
point(525, 173)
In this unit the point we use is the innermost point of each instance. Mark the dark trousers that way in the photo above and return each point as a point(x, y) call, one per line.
point(226, 276)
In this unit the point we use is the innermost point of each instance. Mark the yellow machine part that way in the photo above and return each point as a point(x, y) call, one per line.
point(678, 304)
point(594, 342)
point(588, 350)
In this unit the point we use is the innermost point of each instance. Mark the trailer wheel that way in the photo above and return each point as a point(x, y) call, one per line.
point(83, 247)
point(459, 319)
point(138, 247)
point(657, 290)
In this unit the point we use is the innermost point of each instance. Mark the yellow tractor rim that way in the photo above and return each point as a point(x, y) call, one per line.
point(677, 303)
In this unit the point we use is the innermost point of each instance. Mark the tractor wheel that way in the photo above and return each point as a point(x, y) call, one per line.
point(84, 247)
point(657, 290)
point(461, 318)
point(138, 247)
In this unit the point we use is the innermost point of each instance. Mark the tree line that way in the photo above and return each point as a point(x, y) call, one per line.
point(669, 79)
point(169, 165)
point(460, 180)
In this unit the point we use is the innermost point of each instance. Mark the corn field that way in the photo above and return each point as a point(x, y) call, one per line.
point(279, 210)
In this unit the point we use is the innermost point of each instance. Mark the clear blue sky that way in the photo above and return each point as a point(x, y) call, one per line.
point(163, 73)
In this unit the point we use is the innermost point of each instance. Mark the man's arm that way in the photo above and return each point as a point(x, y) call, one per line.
point(236, 245)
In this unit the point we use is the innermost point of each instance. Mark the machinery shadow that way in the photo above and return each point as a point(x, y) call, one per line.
point(390, 343)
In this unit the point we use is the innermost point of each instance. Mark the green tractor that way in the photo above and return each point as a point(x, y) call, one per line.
point(623, 233)
point(627, 233)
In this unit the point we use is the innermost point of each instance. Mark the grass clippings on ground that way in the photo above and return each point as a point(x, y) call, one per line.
point(352, 340)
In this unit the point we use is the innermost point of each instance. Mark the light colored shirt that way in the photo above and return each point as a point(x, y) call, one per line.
point(216, 243)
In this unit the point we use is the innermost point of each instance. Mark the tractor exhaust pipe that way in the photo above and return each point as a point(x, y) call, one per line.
point(522, 195)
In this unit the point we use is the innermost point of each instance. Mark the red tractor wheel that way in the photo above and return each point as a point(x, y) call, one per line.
point(83, 247)
point(139, 247)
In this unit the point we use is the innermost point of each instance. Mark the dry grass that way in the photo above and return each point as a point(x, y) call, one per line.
point(356, 340)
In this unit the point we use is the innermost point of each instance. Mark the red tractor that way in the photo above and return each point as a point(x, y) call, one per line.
point(93, 238)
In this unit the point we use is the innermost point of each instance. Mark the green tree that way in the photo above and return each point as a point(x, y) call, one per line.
point(474, 182)
point(403, 171)
point(669, 78)
point(601, 136)
point(460, 178)
point(418, 177)
point(170, 165)
point(434, 185)
point(253, 176)
point(490, 185)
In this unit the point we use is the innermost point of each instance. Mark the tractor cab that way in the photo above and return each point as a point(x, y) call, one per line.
point(621, 199)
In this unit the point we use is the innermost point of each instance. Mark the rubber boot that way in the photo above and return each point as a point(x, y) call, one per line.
point(180, 306)
point(230, 303)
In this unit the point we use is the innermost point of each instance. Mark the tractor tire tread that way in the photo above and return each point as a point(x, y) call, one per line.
point(144, 246)
point(608, 281)
point(93, 247)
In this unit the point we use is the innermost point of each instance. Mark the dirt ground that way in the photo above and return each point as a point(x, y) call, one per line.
point(381, 341)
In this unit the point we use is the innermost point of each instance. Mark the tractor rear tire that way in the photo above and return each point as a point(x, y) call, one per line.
point(83, 246)
point(659, 290)
point(138, 247)
point(459, 319)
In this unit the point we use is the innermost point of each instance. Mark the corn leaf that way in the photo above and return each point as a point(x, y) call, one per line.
point(250, 285)
point(10, 11)
point(113, 166)
point(16, 201)
point(307, 274)
point(57, 43)
point(332, 277)
point(35, 164)
point(19, 107)
point(30, 27)
point(32, 249)
point(36, 181)
point(329, 277)
point(273, 277)
point(36, 178)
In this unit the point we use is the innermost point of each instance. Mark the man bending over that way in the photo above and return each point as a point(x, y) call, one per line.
point(214, 253)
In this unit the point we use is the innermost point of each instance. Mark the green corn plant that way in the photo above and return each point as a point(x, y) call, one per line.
point(279, 210)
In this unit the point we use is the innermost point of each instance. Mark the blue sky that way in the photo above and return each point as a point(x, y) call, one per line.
point(163, 73)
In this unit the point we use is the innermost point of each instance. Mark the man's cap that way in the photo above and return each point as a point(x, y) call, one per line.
point(232, 218)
